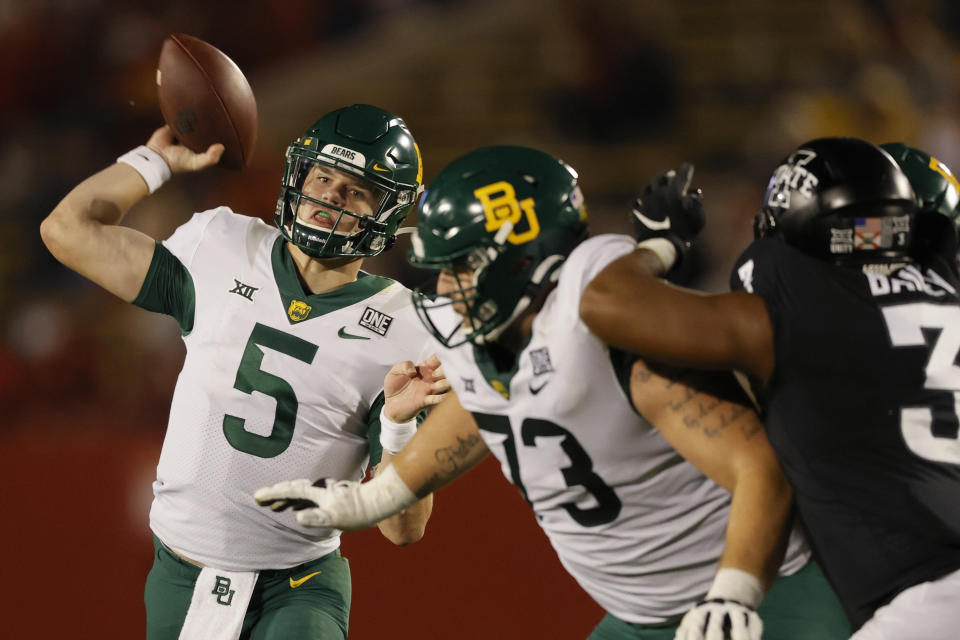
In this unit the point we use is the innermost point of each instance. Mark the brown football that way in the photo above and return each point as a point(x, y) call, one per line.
point(205, 98)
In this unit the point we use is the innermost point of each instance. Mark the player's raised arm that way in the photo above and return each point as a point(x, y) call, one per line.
point(83, 230)
point(408, 389)
point(708, 419)
point(664, 322)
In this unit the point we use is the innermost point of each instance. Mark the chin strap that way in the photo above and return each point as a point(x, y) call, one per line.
point(549, 269)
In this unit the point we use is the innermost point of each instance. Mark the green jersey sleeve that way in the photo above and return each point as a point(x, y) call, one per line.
point(373, 430)
point(168, 288)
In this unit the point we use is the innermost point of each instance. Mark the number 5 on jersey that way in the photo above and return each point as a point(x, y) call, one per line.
point(250, 378)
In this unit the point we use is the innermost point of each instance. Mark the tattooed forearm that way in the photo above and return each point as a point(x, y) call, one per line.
point(705, 409)
point(750, 424)
point(450, 458)
point(718, 416)
point(432, 484)
point(642, 374)
point(678, 404)
point(709, 403)
point(712, 415)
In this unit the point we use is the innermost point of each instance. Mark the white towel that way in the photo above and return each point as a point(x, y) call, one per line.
point(218, 605)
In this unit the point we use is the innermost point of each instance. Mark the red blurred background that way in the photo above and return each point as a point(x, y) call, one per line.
point(78, 550)
point(620, 90)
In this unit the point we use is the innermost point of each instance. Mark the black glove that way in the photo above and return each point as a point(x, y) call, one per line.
point(668, 209)
point(719, 618)
point(297, 504)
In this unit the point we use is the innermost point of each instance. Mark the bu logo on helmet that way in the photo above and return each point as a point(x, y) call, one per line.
point(500, 205)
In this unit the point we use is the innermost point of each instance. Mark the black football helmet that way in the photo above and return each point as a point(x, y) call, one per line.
point(509, 216)
point(840, 199)
point(371, 144)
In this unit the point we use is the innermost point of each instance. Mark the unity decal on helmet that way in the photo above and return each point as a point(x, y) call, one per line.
point(870, 234)
point(500, 205)
point(792, 175)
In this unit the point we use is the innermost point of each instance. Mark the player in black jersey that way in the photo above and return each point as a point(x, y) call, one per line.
point(845, 316)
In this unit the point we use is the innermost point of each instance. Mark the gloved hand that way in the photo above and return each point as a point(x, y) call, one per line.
point(313, 501)
point(342, 504)
point(668, 209)
point(720, 619)
point(297, 504)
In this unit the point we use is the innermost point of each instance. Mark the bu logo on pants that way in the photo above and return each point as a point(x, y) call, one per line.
point(223, 591)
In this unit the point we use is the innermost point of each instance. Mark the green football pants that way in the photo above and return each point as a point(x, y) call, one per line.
point(283, 605)
point(797, 607)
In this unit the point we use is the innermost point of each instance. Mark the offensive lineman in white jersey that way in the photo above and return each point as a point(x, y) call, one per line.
point(625, 466)
point(289, 367)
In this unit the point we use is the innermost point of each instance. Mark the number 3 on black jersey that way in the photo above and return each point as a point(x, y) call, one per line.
point(579, 473)
point(931, 432)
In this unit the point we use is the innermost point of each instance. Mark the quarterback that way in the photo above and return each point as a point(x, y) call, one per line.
point(657, 488)
point(297, 363)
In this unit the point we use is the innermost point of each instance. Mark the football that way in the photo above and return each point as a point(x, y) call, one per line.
point(205, 98)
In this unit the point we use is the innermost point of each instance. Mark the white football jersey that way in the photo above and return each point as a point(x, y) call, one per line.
point(276, 385)
point(639, 528)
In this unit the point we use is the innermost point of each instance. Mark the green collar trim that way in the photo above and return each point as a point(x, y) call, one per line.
point(299, 305)
point(498, 381)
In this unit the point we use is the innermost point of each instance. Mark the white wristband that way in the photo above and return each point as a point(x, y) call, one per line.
point(663, 248)
point(394, 435)
point(149, 164)
point(736, 584)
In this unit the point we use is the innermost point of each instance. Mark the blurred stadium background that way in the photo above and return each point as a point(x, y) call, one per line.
point(619, 89)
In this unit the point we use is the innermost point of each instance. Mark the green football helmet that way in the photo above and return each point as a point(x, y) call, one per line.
point(500, 221)
point(938, 199)
point(369, 144)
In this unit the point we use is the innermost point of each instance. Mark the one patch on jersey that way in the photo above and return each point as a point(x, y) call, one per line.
point(468, 385)
point(298, 310)
point(540, 359)
point(376, 321)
